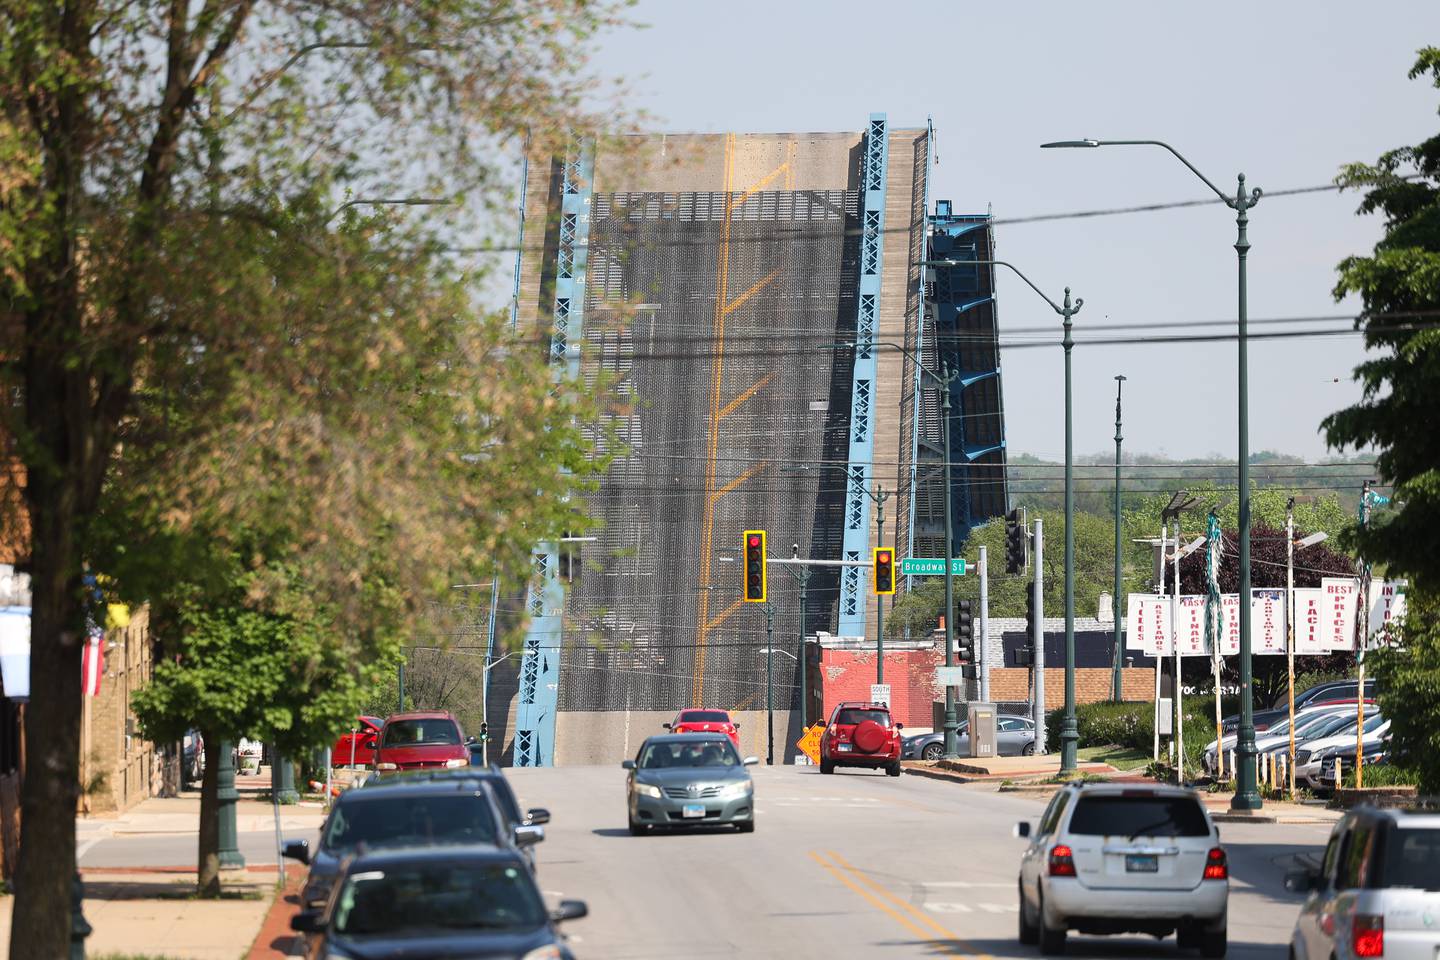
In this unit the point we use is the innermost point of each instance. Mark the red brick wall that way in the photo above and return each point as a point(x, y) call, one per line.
point(847, 675)
point(1092, 684)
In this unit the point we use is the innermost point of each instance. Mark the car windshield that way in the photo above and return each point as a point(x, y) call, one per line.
point(407, 820)
point(426, 731)
point(851, 715)
point(1138, 816)
point(692, 753)
point(1323, 693)
point(1326, 725)
point(415, 900)
point(1412, 859)
point(704, 716)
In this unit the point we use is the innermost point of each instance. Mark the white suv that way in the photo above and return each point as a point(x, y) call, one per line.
point(1124, 859)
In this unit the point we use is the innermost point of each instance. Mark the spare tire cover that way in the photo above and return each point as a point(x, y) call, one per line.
point(870, 736)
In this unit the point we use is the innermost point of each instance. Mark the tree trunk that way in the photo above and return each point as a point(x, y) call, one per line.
point(207, 881)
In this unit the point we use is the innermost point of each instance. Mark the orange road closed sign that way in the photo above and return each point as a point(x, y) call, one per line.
point(810, 743)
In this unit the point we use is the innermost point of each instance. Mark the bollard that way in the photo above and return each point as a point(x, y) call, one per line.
point(79, 927)
point(1339, 781)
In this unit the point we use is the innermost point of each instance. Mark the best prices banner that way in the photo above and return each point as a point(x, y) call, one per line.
point(1340, 602)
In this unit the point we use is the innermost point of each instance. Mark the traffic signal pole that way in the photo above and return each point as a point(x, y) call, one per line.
point(1037, 636)
point(982, 638)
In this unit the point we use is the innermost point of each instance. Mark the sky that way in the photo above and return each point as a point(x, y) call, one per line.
point(1285, 92)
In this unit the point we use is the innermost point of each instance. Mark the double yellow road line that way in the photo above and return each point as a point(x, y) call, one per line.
point(945, 941)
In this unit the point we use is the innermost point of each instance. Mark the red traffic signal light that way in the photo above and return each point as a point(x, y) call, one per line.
point(883, 572)
point(754, 566)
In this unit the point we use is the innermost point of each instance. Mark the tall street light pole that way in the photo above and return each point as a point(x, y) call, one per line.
point(1069, 733)
point(1116, 686)
point(1247, 790)
point(879, 496)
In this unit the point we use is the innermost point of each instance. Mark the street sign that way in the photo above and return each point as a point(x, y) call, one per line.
point(880, 693)
point(810, 743)
point(950, 676)
point(921, 567)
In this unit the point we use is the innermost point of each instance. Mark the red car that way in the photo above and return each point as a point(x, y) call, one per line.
point(421, 740)
point(356, 747)
point(861, 735)
point(696, 720)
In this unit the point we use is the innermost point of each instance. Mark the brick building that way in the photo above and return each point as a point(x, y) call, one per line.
point(119, 768)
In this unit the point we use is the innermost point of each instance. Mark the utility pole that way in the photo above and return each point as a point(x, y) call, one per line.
point(1037, 631)
point(982, 639)
point(1362, 633)
point(1117, 692)
point(951, 720)
point(1179, 685)
point(1290, 634)
point(1159, 643)
point(1069, 731)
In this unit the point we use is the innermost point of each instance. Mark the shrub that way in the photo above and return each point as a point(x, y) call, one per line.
point(1132, 725)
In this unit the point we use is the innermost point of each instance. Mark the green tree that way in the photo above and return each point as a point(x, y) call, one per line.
point(1399, 284)
point(136, 141)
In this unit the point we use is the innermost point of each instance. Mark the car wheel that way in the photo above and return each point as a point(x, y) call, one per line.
point(745, 826)
point(827, 766)
point(1029, 932)
point(1187, 938)
point(1052, 941)
point(1214, 943)
point(637, 829)
point(1029, 750)
point(933, 751)
point(893, 769)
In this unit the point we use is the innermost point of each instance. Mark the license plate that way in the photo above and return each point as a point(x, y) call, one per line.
point(692, 811)
point(1141, 863)
point(844, 747)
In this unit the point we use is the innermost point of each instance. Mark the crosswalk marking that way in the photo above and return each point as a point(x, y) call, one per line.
point(950, 907)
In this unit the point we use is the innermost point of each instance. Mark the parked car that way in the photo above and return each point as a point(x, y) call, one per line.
point(1377, 891)
point(356, 747)
point(1375, 753)
point(861, 735)
point(1334, 691)
point(706, 721)
point(421, 740)
point(1311, 723)
point(192, 757)
point(688, 780)
point(476, 901)
point(1341, 743)
point(402, 812)
point(1115, 858)
point(1014, 736)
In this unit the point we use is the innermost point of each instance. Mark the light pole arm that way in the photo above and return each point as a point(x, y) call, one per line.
point(1016, 270)
point(387, 202)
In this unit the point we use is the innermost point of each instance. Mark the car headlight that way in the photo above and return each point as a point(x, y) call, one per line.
point(452, 764)
point(646, 790)
point(386, 766)
point(547, 952)
point(736, 790)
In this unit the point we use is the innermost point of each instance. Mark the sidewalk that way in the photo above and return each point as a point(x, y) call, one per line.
point(1273, 811)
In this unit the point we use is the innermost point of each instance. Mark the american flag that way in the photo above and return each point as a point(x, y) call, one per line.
point(92, 666)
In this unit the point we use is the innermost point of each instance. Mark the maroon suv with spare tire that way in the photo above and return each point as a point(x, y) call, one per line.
point(861, 735)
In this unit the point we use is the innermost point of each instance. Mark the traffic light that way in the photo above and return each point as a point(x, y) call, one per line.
point(1016, 543)
point(884, 571)
point(1029, 611)
point(964, 631)
point(484, 731)
point(754, 566)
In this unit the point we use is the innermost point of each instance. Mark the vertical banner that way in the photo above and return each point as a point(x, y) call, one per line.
point(1387, 603)
point(1267, 622)
point(1191, 629)
point(1148, 623)
point(1340, 602)
point(1229, 624)
point(1310, 635)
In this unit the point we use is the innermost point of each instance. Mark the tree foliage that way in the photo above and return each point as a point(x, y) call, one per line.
point(173, 229)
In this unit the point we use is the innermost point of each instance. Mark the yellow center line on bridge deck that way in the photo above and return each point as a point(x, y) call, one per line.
point(722, 268)
point(720, 617)
point(750, 391)
point(750, 472)
point(955, 945)
point(761, 184)
point(755, 288)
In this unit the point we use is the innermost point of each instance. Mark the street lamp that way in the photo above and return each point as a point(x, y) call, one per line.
point(387, 202)
point(1069, 732)
point(1247, 792)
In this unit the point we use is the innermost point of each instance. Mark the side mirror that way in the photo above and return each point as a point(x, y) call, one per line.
point(735, 725)
point(750, 761)
point(471, 741)
point(537, 816)
point(570, 910)
point(627, 764)
point(307, 921)
point(665, 725)
point(296, 850)
point(899, 726)
point(528, 836)
point(1301, 881)
point(1022, 829)
point(369, 741)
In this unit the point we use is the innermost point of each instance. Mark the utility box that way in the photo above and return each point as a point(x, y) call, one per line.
point(982, 729)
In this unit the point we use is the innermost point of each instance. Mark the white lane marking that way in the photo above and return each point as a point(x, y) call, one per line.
point(963, 884)
point(85, 848)
point(946, 907)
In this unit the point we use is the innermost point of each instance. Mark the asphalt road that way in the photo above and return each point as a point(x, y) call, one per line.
point(851, 865)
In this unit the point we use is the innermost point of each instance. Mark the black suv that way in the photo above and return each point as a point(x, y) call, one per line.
point(1331, 692)
point(437, 902)
point(402, 812)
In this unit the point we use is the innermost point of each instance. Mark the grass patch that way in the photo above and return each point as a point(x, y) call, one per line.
point(1121, 758)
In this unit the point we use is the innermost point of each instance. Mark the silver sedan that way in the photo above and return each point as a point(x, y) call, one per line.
point(689, 780)
point(1014, 736)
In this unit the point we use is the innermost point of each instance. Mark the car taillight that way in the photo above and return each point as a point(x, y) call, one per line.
point(1367, 935)
point(1062, 861)
point(1216, 867)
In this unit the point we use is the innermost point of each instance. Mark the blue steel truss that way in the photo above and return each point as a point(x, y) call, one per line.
point(862, 389)
point(545, 594)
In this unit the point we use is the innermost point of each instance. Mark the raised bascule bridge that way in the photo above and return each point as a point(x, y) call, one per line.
point(742, 296)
